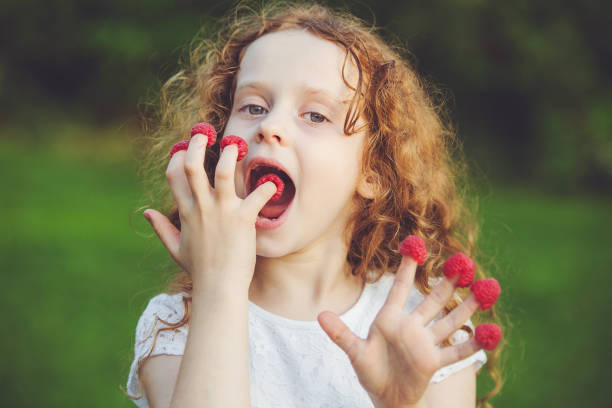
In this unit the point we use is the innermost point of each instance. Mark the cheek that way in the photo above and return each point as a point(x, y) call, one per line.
point(331, 171)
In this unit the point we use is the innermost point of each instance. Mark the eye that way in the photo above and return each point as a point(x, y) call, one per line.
point(253, 109)
point(317, 117)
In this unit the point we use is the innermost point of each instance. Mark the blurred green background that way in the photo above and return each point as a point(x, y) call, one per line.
point(529, 87)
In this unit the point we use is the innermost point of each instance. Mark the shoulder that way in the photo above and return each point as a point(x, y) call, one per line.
point(162, 311)
point(155, 335)
point(166, 306)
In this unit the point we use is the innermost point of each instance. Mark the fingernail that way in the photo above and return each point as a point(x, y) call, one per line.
point(147, 216)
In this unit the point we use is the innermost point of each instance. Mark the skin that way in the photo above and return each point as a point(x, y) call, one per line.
point(299, 269)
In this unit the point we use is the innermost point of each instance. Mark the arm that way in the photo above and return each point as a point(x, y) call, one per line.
point(397, 360)
point(216, 245)
point(158, 376)
point(215, 368)
point(458, 390)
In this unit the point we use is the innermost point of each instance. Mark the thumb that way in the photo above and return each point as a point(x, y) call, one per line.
point(340, 334)
point(168, 234)
point(259, 197)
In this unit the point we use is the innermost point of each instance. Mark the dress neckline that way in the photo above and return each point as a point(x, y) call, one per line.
point(349, 316)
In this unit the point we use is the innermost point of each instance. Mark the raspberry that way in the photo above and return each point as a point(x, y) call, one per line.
point(460, 264)
point(486, 291)
point(488, 335)
point(207, 130)
point(182, 145)
point(280, 186)
point(243, 148)
point(414, 246)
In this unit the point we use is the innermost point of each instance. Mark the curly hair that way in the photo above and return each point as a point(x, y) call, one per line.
point(412, 154)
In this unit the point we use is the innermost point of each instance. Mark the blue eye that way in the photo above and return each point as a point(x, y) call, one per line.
point(253, 109)
point(317, 117)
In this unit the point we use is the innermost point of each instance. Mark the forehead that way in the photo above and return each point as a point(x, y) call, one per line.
point(299, 59)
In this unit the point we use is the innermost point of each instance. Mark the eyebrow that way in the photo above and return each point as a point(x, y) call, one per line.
point(307, 89)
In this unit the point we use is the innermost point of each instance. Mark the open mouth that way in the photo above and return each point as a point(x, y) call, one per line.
point(273, 210)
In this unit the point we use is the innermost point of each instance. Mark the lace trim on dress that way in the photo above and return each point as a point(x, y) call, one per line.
point(172, 342)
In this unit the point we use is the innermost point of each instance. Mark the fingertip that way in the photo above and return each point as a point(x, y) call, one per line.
point(271, 189)
point(226, 145)
point(201, 141)
point(321, 316)
point(454, 279)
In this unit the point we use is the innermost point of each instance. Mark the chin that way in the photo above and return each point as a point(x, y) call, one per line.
point(271, 250)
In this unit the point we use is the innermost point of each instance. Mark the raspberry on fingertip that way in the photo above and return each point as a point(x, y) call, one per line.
point(207, 130)
point(243, 148)
point(488, 335)
point(182, 145)
point(280, 186)
point(414, 246)
point(486, 292)
point(460, 264)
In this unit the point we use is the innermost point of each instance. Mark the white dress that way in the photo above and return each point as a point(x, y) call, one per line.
point(292, 363)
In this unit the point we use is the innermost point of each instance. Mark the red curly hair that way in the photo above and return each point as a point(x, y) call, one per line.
point(411, 152)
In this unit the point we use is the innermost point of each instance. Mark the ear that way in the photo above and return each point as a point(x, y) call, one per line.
point(367, 186)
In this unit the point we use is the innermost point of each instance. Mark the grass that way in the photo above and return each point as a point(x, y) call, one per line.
point(77, 276)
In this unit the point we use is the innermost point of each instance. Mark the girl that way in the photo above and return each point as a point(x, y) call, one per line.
point(317, 308)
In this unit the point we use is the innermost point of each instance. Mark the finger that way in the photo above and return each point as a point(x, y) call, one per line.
point(225, 172)
point(436, 300)
point(340, 334)
point(404, 279)
point(177, 180)
point(455, 319)
point(452, 354)
point(258, 198)
point(194, 170)
point(166, 231)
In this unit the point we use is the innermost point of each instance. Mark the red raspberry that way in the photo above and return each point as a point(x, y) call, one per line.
point(243, 148)
point(460, 264)
point(488, 335)
point(280, 186)
point(182, 145)
point(207, 130)
point(486, 291)
point(414, 246)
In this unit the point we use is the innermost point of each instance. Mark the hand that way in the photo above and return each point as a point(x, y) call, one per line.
point(217, 239)
point(397, 360)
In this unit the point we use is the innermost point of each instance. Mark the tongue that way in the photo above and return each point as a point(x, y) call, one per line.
point(276, 208)
point(272, 210)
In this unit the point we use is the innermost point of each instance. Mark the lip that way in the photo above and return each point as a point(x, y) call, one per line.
point(267, 224)
point(267, 161)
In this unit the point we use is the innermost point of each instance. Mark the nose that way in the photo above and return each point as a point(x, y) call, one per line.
point(271, 130)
